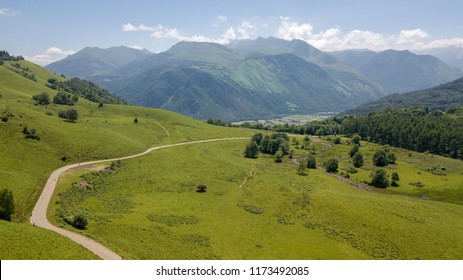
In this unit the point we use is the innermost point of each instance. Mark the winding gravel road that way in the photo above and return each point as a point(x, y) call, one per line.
point(39, 214)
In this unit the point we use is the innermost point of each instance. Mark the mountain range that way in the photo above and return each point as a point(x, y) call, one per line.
point(436, 98)
point(399, 71)
point(249, 79)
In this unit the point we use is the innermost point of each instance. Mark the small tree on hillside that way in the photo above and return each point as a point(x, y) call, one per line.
point(395, 178)
point(279, 156)
point(42, 99)
point(379, 178)
point(311, 162)
point(331, 165)
point(380, 158)
point(357, 159)
point(354, 150)
point(251, 150)
point(391, 157)
point(355, 139)
point(70, 115)
point(6, 204)
point(301, 169)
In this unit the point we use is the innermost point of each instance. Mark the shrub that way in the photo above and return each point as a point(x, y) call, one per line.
point(311, 162)
point(301, 169)
point(64, 98)
point(42, 99)
point(279, 156)
point(79, 222)
point(355, 139)
point(380, 158)
point(331, 165)
point(357, 159)
point(391, 157)
point(379, 178)
point(354, 150)
point(201, 188)
point(337, 140)
point(70, 115)
point(6, 204)
point(251, 150)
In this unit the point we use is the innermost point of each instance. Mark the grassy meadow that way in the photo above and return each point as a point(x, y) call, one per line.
point(99, 133)
point(149, 209)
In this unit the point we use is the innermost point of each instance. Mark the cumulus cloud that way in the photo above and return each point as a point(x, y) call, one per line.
point(7, 12)
point(335, 39)
point(52, 54)
point(243, 31)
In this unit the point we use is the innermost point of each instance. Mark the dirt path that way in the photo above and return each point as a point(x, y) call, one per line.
point(164, 128)
point(39, 214)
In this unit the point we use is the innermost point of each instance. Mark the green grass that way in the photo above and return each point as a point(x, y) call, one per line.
point(20, 241)
point(149, 209)
point(99, 133)
point(441, 176)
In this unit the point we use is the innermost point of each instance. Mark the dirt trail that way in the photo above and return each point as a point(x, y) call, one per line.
point(39, 214)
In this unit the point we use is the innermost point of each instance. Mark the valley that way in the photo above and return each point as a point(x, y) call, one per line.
point(192, 197)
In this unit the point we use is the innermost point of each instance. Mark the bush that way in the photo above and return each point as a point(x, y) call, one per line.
point(391, 157)
point(64, 98)
point(30, 134)
point(357, 159)
point(201, 188)
point(79, 222)
point(279, 156)
point(355, 139)
point(311, 162)
point(251, 150)
point(354, 150)
point(337, 140)
point(379, 178)
point(42, 99)
point(6, 204)
point(70, 115)
point(331, 165)
point(380, 158)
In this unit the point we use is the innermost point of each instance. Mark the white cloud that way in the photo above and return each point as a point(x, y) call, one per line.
point(136, 47)
point(52, 54)
point(335, 39)
point(221, 19)
point(7, 12)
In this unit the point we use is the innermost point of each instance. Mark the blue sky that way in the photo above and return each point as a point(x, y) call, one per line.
point(47, 30)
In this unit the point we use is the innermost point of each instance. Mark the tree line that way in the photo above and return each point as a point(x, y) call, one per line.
point(418, 129)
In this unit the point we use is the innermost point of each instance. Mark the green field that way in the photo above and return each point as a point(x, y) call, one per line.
point(99, 133)
point(149, 209)
point(253, 208)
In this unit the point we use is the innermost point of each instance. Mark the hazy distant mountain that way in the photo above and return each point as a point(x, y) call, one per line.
point(91, 62)
point(399, 71)
point(439, 97)
point(453, 56)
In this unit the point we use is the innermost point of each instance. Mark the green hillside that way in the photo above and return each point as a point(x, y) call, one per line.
point(148, 207)
point(436, 98)
point(99, 133)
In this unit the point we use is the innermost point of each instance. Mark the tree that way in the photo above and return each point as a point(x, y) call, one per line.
point(279, 156)
point(257, 138)
point(311, 162)
point(357, 159)
point(380, 158)
point(395, 178)
point(251, 150)
point(201, 188)
point(42, 99)
point(6, 204)
point(391, 157)
point(331, 165)
point(337, 140)
point(301, 169)
point(135, 120)
point(354, 150)
point(79, 222)
point(70, 115)
point(100, 105)
point(64, 98)
point(379, 178)
point(356, 139)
